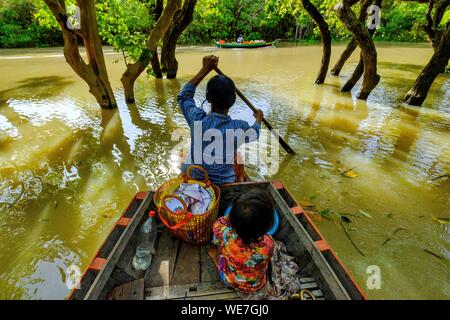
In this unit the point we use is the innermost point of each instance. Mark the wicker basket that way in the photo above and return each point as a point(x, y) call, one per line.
point(195, 229)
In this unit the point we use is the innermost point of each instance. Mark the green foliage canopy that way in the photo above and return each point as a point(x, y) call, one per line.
point(27, 23)
point(124, 24)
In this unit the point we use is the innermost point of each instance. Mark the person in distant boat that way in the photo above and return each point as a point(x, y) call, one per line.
point(215, 137)
point(240, 39)
point(244, 247)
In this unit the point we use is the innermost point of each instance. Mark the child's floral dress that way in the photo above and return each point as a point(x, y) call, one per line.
point(242, 266)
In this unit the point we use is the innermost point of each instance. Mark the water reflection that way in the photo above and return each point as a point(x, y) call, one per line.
point(67, 169)
point(407, 132)
point(41, 87)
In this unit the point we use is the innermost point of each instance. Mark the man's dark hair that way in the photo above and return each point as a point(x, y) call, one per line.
point(252, 215)
point(221, 92)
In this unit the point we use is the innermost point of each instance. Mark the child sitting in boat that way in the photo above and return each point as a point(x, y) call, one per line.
point(245, 248)
point(215, 137)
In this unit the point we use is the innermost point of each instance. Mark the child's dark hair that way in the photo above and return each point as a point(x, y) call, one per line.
point(221, 92)
point(252, 215)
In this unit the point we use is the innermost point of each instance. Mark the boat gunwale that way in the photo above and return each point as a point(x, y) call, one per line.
point(323, 242)
point(293, 219)
point(140, 196)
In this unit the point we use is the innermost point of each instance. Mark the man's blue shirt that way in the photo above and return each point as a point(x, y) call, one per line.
point(209, 131)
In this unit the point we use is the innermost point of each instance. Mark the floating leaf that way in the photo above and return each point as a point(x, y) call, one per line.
point(447, 175)
point(350, 174)
point(345, 219)
point(314, 215)
point(325, 213)
point(347, 215)
point(433, 254)
point(441, 220)
point(351, 241)
point(399, 229)
point(365, 214)
point(306, 204)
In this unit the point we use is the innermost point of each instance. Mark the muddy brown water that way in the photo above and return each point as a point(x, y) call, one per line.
point(68, 169)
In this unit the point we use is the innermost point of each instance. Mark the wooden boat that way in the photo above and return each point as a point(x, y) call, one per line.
point(252, 45)
point(183, 271)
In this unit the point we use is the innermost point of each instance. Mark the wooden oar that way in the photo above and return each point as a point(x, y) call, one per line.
point(268, 125)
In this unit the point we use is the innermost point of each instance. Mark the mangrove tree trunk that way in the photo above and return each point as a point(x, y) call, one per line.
point(417, 95)
point(94, 72)
point(365, 42)
point(134, 70)
point(353, 44)
point(326, 39)
point(156, 65)
point(359, 70)
point(431, 28)
point(180, 22)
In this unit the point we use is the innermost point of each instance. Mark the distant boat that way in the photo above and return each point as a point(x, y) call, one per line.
point(245, 45)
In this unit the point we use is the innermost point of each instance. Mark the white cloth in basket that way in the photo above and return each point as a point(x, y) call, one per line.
point(197, 198)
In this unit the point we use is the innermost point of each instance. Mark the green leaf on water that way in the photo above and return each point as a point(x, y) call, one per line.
point(306, 204)
point(441, 220)
point(365, 214)
point(326, 213)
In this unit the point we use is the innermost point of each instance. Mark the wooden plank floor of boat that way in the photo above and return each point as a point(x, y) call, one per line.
point(180, 270)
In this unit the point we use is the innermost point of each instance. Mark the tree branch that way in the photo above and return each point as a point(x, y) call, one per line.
point(134, 70)
point(326, 38)
point(365, 42)
point(94, 73)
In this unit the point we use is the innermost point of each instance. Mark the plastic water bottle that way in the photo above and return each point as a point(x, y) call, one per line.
point(147, 227)
point(143, 257)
